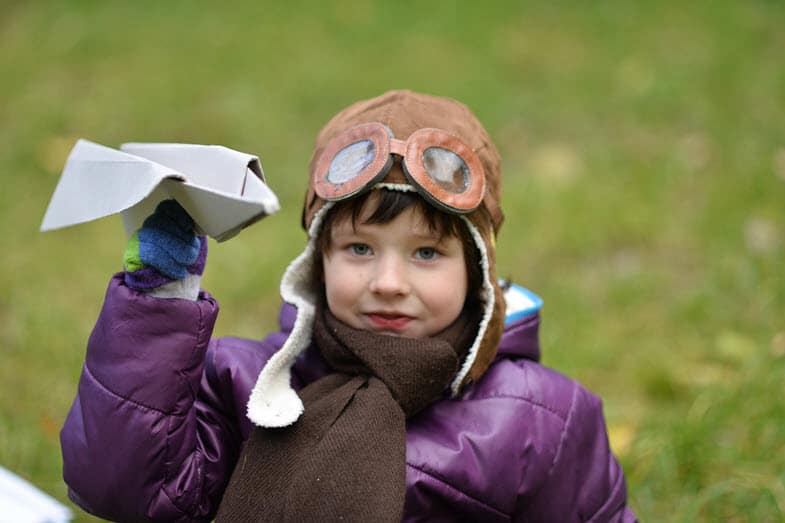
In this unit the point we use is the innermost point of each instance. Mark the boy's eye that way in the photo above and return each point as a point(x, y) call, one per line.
point(360, 249)
point(426, 253)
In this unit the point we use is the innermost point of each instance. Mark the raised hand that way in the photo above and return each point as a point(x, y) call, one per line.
point(164, 249)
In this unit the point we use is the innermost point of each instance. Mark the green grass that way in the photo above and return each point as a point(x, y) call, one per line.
point(644, 168)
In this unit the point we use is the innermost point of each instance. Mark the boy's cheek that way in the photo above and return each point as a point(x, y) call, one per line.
point(343, 284)
point(342, 302)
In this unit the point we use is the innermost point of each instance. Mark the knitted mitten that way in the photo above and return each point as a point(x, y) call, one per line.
point(165, 250)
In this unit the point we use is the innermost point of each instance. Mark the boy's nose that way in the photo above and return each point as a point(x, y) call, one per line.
point(389, 278)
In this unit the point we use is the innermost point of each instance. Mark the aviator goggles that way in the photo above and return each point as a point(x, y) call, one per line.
point(442, 168)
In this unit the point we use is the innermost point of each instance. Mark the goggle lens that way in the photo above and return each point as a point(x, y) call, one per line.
point(447, 169)
point(351, 161)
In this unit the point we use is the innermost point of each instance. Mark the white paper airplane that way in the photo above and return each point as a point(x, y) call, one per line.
point(223, 190)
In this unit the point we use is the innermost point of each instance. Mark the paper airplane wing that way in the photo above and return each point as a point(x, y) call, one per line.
point(98, 181)
point(224, 191)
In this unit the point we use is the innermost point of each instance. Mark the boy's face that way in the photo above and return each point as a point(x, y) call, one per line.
point(399, 278)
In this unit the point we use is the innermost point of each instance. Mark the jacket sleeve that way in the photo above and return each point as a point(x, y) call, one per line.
point(585, 481)
point(144, 439)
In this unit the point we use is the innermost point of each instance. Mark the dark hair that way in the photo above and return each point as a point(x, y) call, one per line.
point(388, 206)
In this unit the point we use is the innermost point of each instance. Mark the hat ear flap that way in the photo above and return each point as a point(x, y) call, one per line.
point(483, 351)
point(493, 335)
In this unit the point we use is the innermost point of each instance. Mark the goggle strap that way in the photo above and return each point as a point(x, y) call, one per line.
point(398, 147)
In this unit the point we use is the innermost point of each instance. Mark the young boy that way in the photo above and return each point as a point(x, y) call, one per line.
point(395, 389)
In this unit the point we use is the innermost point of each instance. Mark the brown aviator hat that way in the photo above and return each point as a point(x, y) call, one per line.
point(273, 403)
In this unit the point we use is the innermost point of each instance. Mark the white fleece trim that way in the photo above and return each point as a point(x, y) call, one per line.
point(488, 298)
point(403, 187)
point(273, 402)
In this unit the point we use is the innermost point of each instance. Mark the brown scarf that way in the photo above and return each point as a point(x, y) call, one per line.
point(345, 458)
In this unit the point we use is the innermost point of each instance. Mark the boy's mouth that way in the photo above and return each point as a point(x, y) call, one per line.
point(389, 320)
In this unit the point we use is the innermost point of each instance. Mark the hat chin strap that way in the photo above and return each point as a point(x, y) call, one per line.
point(273, 402)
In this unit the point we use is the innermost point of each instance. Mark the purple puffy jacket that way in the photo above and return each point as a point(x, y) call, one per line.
point(156, 427)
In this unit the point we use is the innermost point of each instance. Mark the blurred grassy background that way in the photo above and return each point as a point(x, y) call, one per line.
point(644, 165)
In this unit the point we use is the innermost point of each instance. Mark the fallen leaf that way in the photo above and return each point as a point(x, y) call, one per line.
point(621, 436)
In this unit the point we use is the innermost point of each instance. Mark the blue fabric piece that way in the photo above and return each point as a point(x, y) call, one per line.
point(521, 302)
point(167, 241)
point(170, 216)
